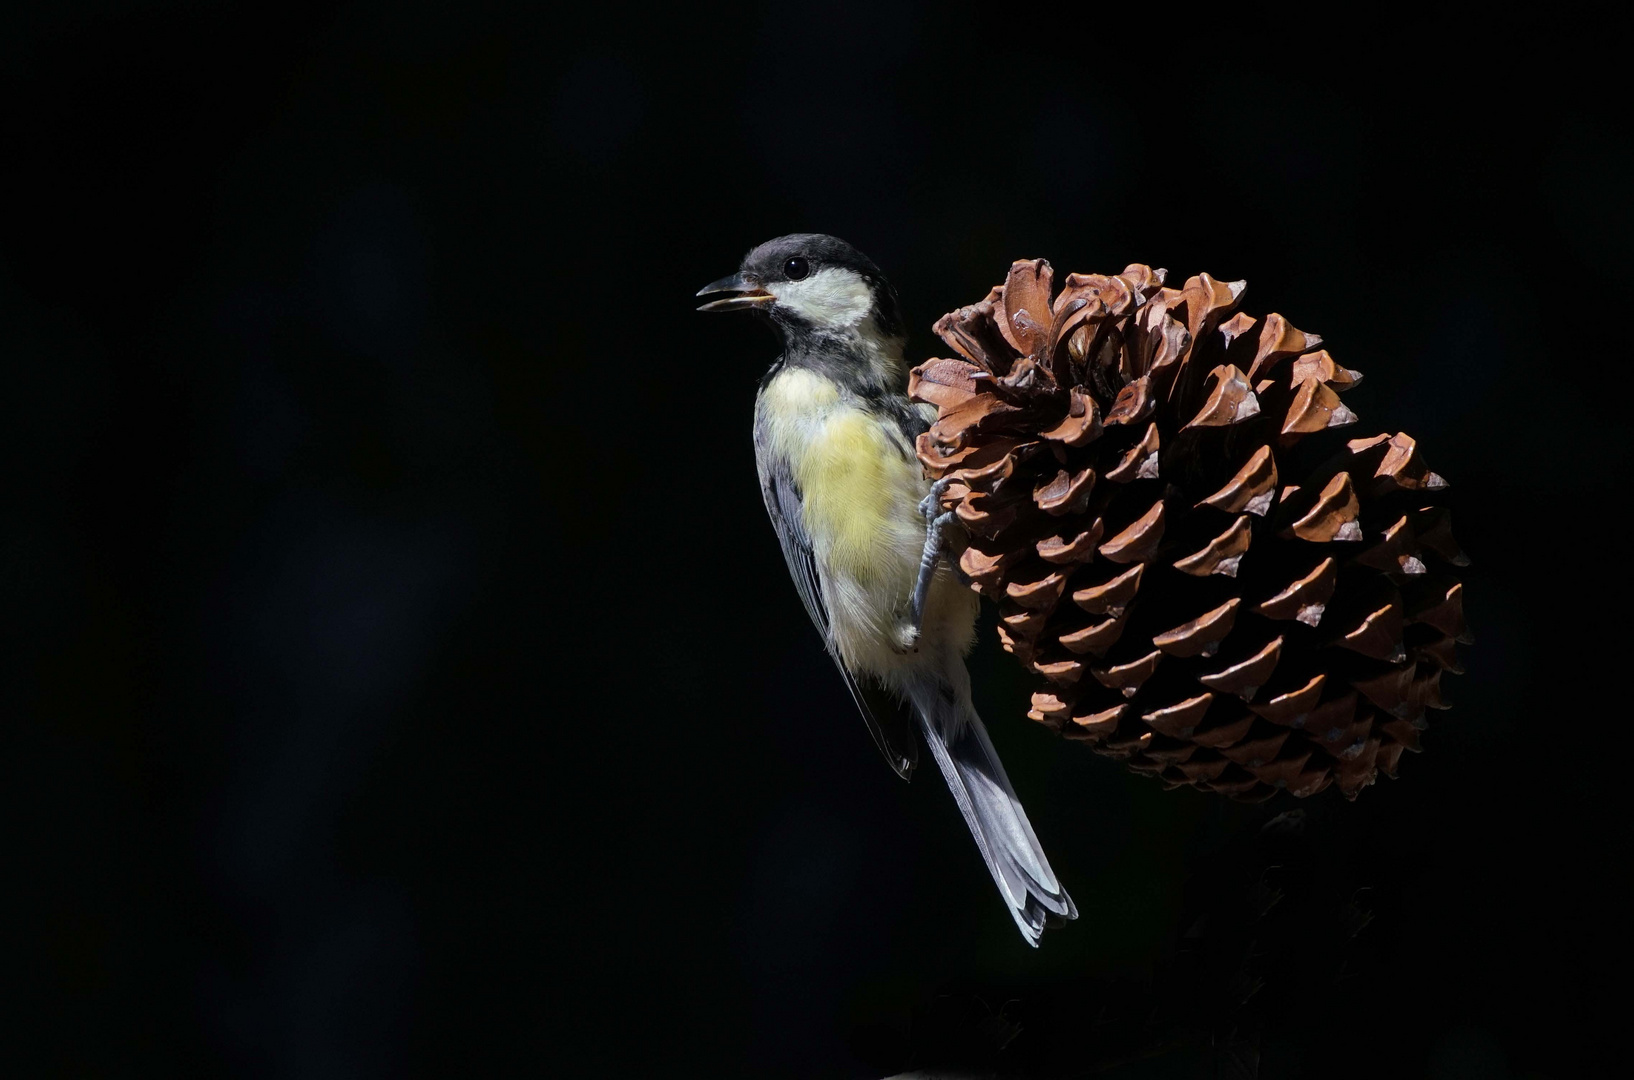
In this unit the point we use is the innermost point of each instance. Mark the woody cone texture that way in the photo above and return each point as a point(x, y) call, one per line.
point(1218, 582)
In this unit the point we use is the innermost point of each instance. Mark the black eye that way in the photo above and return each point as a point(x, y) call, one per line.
point(796, 268)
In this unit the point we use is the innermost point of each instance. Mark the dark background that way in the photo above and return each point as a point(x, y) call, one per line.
point(400, 676)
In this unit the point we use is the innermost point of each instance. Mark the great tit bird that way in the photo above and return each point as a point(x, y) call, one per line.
point(834, 439)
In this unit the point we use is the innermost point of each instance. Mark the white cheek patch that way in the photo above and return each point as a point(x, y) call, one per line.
point(830, 298)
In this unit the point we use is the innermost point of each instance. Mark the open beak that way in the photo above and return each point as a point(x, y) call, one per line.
point(737, 293)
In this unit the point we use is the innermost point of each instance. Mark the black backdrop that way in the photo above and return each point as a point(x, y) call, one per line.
point(400, 676)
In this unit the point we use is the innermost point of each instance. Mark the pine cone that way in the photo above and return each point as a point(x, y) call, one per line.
point(1219, 587)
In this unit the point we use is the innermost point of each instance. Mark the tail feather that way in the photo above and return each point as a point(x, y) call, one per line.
point(1003, 834)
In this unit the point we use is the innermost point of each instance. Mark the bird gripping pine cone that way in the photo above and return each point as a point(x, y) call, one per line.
point(1219, 586)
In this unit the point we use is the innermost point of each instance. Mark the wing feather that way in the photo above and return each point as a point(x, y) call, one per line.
point(889, 721)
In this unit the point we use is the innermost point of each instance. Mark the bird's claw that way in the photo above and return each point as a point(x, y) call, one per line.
point(930, 507)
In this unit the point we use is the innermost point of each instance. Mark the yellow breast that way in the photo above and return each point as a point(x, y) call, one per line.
point(859, 486)
point(859, 493)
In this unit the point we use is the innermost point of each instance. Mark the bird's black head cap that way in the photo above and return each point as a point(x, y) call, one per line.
point(809, 283)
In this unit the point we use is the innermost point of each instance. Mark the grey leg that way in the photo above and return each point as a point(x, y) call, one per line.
point(935, 523)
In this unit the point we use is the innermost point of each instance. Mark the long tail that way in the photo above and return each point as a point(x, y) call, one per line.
point(989, 804)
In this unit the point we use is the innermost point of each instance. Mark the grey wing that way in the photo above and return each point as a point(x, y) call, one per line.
point(889, 721)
